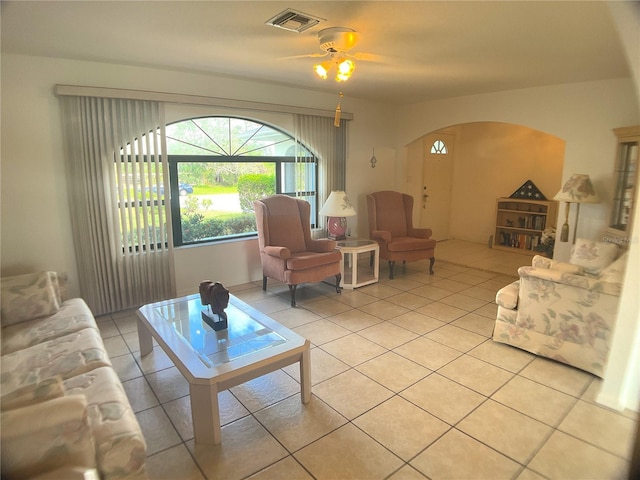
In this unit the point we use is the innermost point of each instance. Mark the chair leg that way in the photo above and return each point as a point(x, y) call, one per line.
point(292, 291)
point(432, 260)
point(338, 288)
point(264, 283)
point(391, 264)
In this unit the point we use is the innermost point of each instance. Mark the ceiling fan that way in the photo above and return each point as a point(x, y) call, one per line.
point(337, 43)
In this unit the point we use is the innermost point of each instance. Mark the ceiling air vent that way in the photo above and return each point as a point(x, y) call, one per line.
point(293, 21)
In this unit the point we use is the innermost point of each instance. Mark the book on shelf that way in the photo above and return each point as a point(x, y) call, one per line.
point(520, 240)
point(532, 222)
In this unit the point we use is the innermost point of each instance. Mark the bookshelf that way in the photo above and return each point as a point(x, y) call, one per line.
point(520, 223)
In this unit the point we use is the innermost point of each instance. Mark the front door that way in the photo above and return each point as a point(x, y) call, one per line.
point(437, 179)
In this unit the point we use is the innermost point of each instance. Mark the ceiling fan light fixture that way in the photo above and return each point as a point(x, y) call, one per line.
point(341, 77)
point(345, 67)
point(322, 69)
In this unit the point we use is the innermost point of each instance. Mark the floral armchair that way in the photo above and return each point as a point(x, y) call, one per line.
point(564, 311)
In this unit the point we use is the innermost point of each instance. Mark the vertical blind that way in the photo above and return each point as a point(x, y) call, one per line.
point(116, 171)
point(329, 145)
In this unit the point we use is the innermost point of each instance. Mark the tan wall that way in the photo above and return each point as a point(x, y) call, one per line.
point(492, 160)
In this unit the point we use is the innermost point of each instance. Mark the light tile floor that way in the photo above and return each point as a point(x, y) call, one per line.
point(407, 384)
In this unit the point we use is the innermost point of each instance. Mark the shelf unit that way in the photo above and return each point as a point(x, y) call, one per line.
point(520, 223)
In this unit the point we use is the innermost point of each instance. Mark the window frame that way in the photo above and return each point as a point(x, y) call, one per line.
point(173, 160)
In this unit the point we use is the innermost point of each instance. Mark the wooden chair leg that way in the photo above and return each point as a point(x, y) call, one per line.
point(264, 283)
point(391, 264)
point(432, 260)
point(292, 291)
point(338, 288)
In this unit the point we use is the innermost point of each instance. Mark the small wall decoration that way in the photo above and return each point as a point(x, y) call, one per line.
point(216, 297)
point(528, 191)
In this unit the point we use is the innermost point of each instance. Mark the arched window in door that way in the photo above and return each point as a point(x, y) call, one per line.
point(439, 148)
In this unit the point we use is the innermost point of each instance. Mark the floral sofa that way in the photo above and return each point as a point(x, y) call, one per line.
point(564, 311)
point(63, 409)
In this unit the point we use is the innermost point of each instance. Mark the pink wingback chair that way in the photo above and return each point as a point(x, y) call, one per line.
point(287, 251)
point(391, 225)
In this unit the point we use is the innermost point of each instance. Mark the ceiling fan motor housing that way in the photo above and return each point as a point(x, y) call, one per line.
point(337, 39)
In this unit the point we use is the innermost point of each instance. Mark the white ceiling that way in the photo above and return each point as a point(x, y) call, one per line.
point(431, 49)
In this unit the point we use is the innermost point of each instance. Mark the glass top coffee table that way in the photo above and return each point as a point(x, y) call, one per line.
point(212, 361)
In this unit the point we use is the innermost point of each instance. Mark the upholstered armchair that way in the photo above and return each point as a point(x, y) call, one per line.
point(564, 311)
point(391, 225)
point(287, 251)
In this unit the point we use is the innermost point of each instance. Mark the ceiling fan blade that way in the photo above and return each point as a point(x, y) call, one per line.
point(307, 55)
point(370, 57)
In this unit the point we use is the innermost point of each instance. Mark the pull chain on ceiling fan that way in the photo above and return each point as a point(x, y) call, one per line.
point(336, 118)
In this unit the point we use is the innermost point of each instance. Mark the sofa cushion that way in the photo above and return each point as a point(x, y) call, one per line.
point(117, 435)
point(25, 297)
point(593, 256)
point(46, 436)
point(305, 260)
point(66, 356)
point(33, 393)
point(74, 315)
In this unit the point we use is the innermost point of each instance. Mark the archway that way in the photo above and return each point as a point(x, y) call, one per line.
point(489, 160)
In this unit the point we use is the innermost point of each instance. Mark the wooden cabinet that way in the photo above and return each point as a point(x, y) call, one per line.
point(520, 223)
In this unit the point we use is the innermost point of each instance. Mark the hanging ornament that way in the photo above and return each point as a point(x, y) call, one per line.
point(336, 119)
point(373, 159)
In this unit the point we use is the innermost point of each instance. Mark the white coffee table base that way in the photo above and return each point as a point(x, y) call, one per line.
point(204, 387)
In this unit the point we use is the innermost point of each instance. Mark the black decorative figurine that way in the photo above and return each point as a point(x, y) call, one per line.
point(216, 297)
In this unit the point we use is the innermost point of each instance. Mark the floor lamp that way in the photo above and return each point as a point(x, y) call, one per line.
point(578, 189)
point(337, 207)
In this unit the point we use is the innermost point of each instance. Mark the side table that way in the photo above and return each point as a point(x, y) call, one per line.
point(361, 273)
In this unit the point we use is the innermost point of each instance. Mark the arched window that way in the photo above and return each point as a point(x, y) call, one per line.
point(439, 148)
point(219, 165)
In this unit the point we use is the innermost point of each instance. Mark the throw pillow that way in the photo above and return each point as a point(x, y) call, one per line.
point(25, 297)
point(614, 273)
point(593, 256)
point(543, 262)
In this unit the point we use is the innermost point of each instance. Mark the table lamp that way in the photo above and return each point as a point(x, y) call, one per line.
point(337, 208)
point(578, 189)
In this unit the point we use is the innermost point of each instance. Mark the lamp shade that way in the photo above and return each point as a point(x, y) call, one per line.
point(338, 205)
point(578, 189)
